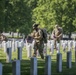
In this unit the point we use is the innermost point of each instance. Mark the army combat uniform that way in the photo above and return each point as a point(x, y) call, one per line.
point(39, 44)
point(57, 35)
point(2, 38)
point(57, 32)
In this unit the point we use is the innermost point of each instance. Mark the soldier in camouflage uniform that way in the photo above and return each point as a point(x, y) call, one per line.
point(2, 37)
point(57, 34)
point(39, 44)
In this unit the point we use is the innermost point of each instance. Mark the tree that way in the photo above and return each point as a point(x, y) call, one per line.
point(2, 3)
point(51, 12)
point(21, 14)
point(65, 11)
point(17, 14)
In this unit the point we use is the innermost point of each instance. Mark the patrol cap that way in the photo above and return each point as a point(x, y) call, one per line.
point(35, 25)
point(56, 26)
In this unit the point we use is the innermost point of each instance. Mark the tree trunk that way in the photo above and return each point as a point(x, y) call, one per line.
point(69, 35)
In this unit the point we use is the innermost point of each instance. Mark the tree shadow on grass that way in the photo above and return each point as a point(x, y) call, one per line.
point(2, 60)
point(65, 70)
point(25, 68)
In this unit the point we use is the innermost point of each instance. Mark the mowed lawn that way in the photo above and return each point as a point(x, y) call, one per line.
point(25, 64)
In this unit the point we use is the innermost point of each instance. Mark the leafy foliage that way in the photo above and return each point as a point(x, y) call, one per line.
point(51, 12)
point(21, 14)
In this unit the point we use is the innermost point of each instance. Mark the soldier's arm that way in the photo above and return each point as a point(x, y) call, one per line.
point(33, 34)
point(53, 34)
point(40, 35)
point(61, 33)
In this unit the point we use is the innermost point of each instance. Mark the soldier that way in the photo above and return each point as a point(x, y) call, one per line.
point(2, 37)
point(38, 37)
point(57, 34)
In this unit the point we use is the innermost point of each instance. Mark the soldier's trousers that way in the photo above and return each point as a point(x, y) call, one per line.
point(39, 47)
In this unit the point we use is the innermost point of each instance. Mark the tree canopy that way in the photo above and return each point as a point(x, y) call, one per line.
point(19, 15)
point(51, 12)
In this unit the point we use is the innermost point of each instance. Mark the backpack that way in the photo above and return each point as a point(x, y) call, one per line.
point(44, 33)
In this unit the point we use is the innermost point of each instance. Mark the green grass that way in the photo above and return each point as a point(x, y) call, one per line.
point(25, 64)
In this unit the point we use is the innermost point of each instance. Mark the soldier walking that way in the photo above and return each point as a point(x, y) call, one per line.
point(57, 34)
point(39, 43)
point(2, 37)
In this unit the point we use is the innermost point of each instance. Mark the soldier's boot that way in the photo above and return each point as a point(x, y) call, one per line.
point(42, 56)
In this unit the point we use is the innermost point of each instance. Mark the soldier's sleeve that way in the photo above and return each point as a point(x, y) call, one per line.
point(40, 35)
point(33, 34)
point(53, 32)
point(61, 32)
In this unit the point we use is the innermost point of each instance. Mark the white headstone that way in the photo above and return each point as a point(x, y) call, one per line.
point(48, 44)
point(52, 48)
point(16, 67)
point(59, 62)
point(48, 65)
point(45, 49)
point(33, 66)
point(20, 44)
point(69, 59)
point(8, 55)
point(29, 50)
point(13, 45)
point(64, 46)
point(69, 46)
point(19, 53)
point(1, 70)
point(58, 47)
point(5, 46)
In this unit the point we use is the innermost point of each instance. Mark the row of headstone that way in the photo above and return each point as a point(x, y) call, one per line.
point(15, 68)
point(33, 68)
point(68, 44)
point(29, 47)
point(13, 44)
point(50, 46)
point(59, 61)
point(48, 64)
point(9, 54)
point(8, 50)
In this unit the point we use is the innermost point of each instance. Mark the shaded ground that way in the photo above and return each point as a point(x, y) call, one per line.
point(25, 64)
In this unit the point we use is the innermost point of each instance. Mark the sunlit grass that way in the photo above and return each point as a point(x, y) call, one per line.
point(25, 63)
